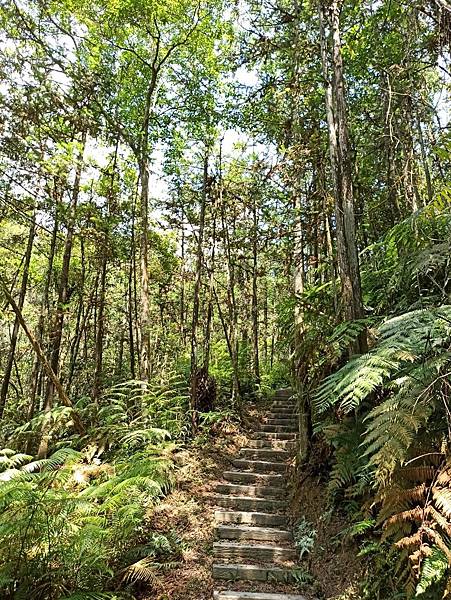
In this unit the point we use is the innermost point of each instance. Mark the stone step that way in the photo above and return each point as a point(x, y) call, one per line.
point(275, 479)
point(265, 454)
point(270, 574)
point(288, 445)
point(287, 392)
point(283, 402)
point(284, 421)
point(281, 413)
point(275, 435)
point(288, 401)
point(278, 428)
point(260, 519)
point(247, 503)
point(262, 466)
point(258, 552)
point(261, 534)
point(229, 595)
point(255, 491)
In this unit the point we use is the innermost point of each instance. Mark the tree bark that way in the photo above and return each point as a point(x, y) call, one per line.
point(144, 231)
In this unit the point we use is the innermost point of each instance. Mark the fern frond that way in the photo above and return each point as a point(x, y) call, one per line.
point(442, 499)
point(146, 570)
point(433, 570)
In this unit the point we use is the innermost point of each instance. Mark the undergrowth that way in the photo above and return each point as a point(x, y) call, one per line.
point(385, 414)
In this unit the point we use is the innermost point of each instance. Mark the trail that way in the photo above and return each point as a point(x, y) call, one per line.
point(254, 557)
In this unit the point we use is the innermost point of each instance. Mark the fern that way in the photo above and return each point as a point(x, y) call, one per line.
point(304, 537)
point(57, 526)
point(433, 570)
point(402, 342)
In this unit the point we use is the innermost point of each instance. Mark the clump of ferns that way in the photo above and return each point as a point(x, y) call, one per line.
point(66, 525)
point(416, 515)
point(400, 390)
point(137, 413)
point(412, 260)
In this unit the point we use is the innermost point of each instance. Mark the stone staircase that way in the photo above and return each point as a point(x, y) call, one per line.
point(254, 544)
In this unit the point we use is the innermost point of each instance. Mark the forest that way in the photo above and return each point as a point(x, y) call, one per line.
point(202, 202)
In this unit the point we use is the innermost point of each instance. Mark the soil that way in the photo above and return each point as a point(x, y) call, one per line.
point(333, 562)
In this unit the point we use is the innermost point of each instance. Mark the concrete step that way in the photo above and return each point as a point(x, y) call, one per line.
point(275, 435)
point(260, 534)
point(260, 519)
point(265, 454)
point(278, 428)
point(285, 393)
point(258, 552)
point(283, 402)
point(282, 413)
point(226, 595)
point(262, 466)
point(246, 503)
point(270, 574)
point(284, 421)
point(271, 479)
point(254, 491)
point(288, 445)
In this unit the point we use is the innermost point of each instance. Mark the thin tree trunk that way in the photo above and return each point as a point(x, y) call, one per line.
point(144, 233)
point(427, 172)
point(15, 332)
point(36, 378)
point(80, 322)
point(182, 316)
point(231, 304)
point(254, 308)
point(196, 298)
point(100, 333)
point(57, 330)
point(207, 342)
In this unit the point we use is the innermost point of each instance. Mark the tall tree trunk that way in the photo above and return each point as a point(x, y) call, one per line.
point(105, 251)
point(100, 332)
point(63, 289)
point(427, 171)
point(196, 298)
point(144, 292)
point(144, 233)
point(132, 299)
point(182, 315)
point(207, 342)
point(352, 304)
point(15, 331)
point(254, 305)
point(300, 365)
point(36, 378)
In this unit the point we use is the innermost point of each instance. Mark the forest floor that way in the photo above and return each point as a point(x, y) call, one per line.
point(333, 564)
point(332, 570)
